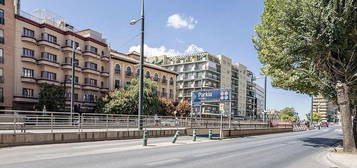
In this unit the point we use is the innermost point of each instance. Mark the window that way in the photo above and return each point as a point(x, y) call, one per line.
point(171, 81)
point(68, 60)
point(147, 75)
point(1, 56)
point(27, 73)
point(137, 72)
point(28, 53)
point(90, 81)
point(128, 71)
point(91, 49)
point(70, 43)
point(117, 68)
point(90, 65)
point(48, 37)
point(164, 92)
point(68, 96)
point(2, 40)
point(2, 2)
point(89, 97)
point(2, 17)
point(164, 80)
point(156, 77)
point(28, 33)
point(27, 92)
point(171, 93)
point(1, 75)
point(68, 79)
point(48, 75)
point(127, 84)
point(117, 84)
point(49, 57)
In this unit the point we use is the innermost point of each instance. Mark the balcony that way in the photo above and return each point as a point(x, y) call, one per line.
point(69, 48)
point(47, 62)
point(68, 84)
point(25, 99)
point(50, 44)
point(48, 81)
point(105, 74)
point(29, 39)
point(90, 87)
point(89, 70)
point(91, 54)
point(28, 79)
point(102, 89)
point(29, 59)
point(105, 58)
point(68, 66)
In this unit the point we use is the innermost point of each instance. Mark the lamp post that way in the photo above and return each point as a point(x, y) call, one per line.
point(74, 49)
point(265, 95)
point(141, 66)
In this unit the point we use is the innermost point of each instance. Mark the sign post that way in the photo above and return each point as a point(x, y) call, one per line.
point(221, 110)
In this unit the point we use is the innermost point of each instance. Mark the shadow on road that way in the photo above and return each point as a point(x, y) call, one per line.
point(321, 142)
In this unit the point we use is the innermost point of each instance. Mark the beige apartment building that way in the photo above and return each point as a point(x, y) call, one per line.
point(39, 49)
point(125, 68)
point(327, 109)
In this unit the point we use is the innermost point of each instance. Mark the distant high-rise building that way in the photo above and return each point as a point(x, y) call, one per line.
point(327, 109)
point(205, 71)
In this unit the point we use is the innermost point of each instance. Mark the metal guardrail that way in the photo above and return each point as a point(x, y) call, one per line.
point(15, 121)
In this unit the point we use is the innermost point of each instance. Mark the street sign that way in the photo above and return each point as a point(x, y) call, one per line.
point(210, 95)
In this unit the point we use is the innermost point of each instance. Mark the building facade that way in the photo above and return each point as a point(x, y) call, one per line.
point(205, 71)
point(327, 109)
point(124, 68)
point(38, 48)
point(7, 45)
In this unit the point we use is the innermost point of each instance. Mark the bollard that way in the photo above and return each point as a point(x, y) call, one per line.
point(210, 134)
point(194, 136)
point(176, 136)
point(145, 138)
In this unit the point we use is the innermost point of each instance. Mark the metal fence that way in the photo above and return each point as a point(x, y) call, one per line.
point(14, 121)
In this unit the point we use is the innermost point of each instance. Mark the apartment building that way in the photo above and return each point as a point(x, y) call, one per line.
point(205, 71)
point(125, 68)
point(38, 48)
point(7, 38)
point(327, 109)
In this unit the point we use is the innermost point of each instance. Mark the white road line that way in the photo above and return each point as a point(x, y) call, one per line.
point(161, 162)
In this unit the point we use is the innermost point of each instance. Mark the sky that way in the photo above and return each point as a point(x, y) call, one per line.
point(177, 27)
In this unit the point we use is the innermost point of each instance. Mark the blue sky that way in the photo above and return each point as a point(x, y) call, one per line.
point(219, 27)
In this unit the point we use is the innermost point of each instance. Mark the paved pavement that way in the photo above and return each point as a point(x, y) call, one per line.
point(286, 150)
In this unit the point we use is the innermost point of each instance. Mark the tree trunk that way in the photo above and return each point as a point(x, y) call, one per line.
point(343, 100)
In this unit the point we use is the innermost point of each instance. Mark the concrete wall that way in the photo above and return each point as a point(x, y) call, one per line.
point(247, 132)
point(48, 138)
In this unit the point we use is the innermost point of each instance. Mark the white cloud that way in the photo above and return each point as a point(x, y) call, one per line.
point(162, 50)
point(177, 21)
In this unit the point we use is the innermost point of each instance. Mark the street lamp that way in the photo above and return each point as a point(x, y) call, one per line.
point(141, 66)
point(74, 49)
point(265, 94)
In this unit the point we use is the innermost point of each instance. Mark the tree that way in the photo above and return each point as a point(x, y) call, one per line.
point(316, 117)
point(289, 114)
point(168, 106)
point(51, 96)
point(309, 46)
point(125, 101)
point(183, 108)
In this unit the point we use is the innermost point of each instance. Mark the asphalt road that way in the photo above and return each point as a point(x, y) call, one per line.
point(285, 150)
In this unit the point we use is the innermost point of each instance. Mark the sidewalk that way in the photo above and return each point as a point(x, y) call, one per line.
point(342, 160)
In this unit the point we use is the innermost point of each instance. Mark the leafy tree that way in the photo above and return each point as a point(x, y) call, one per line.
point(309, 46)
point(125, 101)
point(168, 106)
point(51, 96)
point(289, 114)
point(316, 117)
point(183, 108)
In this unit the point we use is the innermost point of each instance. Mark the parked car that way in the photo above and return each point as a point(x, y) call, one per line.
point(324, 124)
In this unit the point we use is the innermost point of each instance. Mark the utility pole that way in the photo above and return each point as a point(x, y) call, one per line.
point(312, 109)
